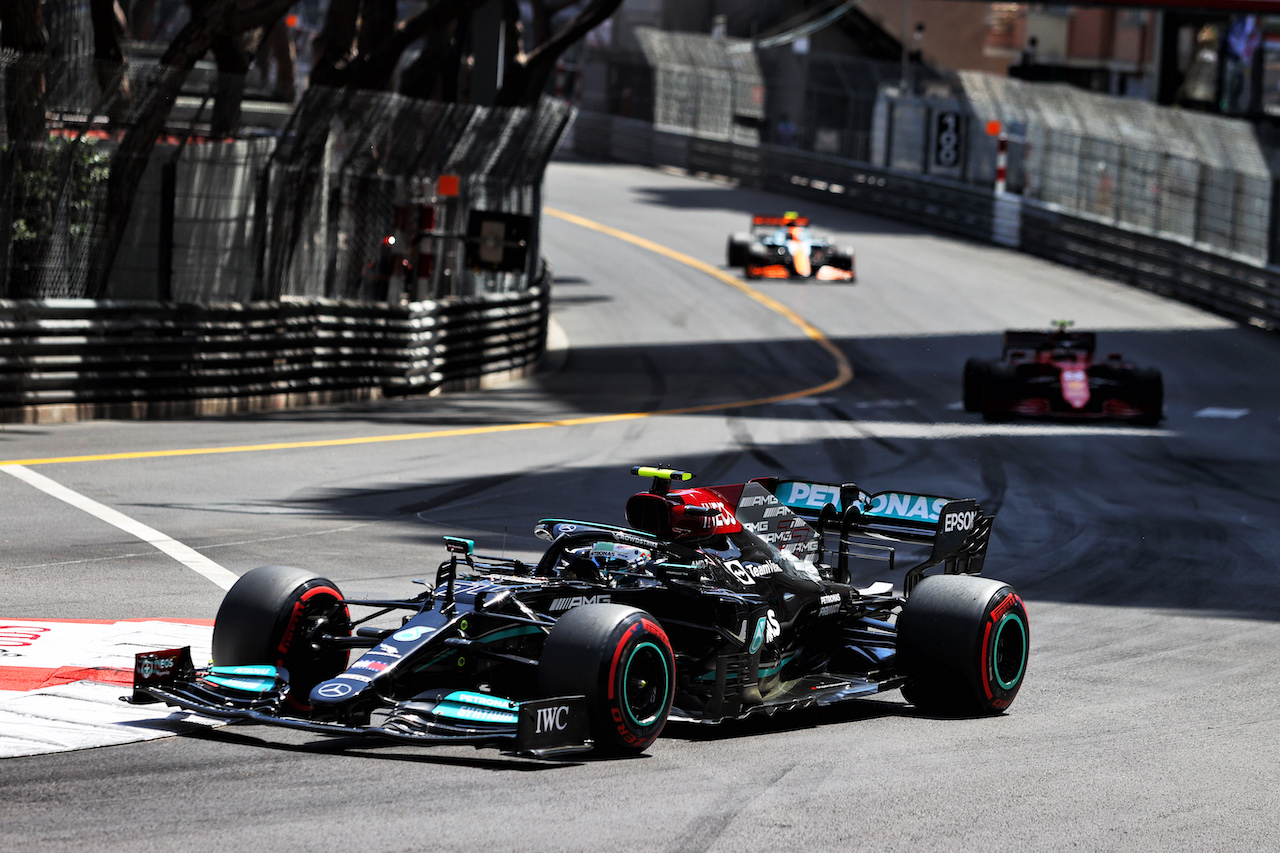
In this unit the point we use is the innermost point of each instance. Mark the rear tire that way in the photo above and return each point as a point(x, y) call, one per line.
point(975, 384)
point(266, 618)
point(963, 643)
point(621, 660)
point(999, 392)
point(1148, 393)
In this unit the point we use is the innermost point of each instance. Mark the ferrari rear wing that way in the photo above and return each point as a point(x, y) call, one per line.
point(956, 529)
point(1025, 339)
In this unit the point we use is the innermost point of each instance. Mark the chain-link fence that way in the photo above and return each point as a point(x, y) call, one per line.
point(1193, 176)
point(839, 104)
point(710, 87)
point(63, 140)
point(365, 196)
point(729, 89)
point(376, 196)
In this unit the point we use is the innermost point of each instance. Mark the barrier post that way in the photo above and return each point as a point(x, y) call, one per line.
point(1002, 162)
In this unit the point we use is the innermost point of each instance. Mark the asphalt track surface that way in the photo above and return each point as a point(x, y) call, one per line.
point(1148, 718)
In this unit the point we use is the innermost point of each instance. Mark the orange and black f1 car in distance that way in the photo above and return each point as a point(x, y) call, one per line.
point(784, 247)
point(713, 604)
point(1055, 374)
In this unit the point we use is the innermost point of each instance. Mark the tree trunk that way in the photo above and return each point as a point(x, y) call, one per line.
point(374, 68)
point(109, 28)
point(433, 75)
point(526, 82)
point(210, 21)
point(335, 42)
point(233, 58)
point(22, 30)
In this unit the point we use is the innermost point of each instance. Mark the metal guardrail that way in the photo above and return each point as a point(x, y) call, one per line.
point(1234, 287)
point(938, 203)
point(72, 359)
point(1241, 291)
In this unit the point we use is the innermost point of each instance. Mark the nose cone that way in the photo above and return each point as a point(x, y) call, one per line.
point(342, 692)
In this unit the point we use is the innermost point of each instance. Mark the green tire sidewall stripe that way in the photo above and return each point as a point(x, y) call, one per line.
point(666, 682)
point(995, 645)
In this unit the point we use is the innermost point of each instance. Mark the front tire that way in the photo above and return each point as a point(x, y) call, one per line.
point(1148, 394)
point(999, 392)
point(963, 644)
point(737, 250)
point(621, 660)
point(266, 617)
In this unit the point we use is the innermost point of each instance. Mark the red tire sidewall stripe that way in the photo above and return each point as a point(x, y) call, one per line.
point(993, 619)
point(286, 639)
point(617, 655)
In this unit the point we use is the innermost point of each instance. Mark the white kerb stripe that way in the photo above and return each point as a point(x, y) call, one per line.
point(189, 557)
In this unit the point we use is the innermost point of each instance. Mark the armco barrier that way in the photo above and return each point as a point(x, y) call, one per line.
point(939, 203)
point(1237, 289)
point(1233, 287)
point(73, 359)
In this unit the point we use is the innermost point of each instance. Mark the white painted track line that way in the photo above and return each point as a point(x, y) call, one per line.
point(189, 557)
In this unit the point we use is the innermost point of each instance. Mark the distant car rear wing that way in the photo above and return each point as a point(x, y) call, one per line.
point(957, 529)
point(1033, 339)
point(786, 221)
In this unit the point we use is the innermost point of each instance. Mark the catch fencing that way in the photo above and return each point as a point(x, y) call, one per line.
point(377, 197)
point(366, 196)
point(1179, 202)
point(1186, 176)
point(1242, 289)
point(709, 87)
point(378, 245)
point(1199, 180)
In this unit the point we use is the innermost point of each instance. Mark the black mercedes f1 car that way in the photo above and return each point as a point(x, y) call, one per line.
point(1055, 374)
point(715, 604)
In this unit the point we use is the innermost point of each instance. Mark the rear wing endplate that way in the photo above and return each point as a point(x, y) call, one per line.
point(956, 529)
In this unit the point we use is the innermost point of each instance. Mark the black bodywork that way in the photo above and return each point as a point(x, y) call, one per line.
point(751, 584)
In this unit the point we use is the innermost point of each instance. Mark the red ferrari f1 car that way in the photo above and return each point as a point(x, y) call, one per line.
point(784, 247)
point(1055, 374)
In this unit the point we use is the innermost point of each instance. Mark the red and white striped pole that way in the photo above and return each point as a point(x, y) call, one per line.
point(1002, 161)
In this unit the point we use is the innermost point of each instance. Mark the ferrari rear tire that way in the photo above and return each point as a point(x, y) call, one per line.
point(975, 384)
point(736, 254)
point(267, 617)
point(999, 392)
point(620, 659)
point(963, 643)
point(1148, 394)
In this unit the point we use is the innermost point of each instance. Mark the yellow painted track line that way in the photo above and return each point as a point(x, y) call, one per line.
point(844, 373)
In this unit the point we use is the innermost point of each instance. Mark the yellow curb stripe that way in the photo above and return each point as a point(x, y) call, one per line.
point(844, 373)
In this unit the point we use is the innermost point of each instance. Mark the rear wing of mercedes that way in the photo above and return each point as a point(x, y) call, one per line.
point(848, 522)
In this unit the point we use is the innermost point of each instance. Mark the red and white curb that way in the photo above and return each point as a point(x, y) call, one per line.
point(62, 682)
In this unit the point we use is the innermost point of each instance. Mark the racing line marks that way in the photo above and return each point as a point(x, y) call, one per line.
point(1218, 412)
